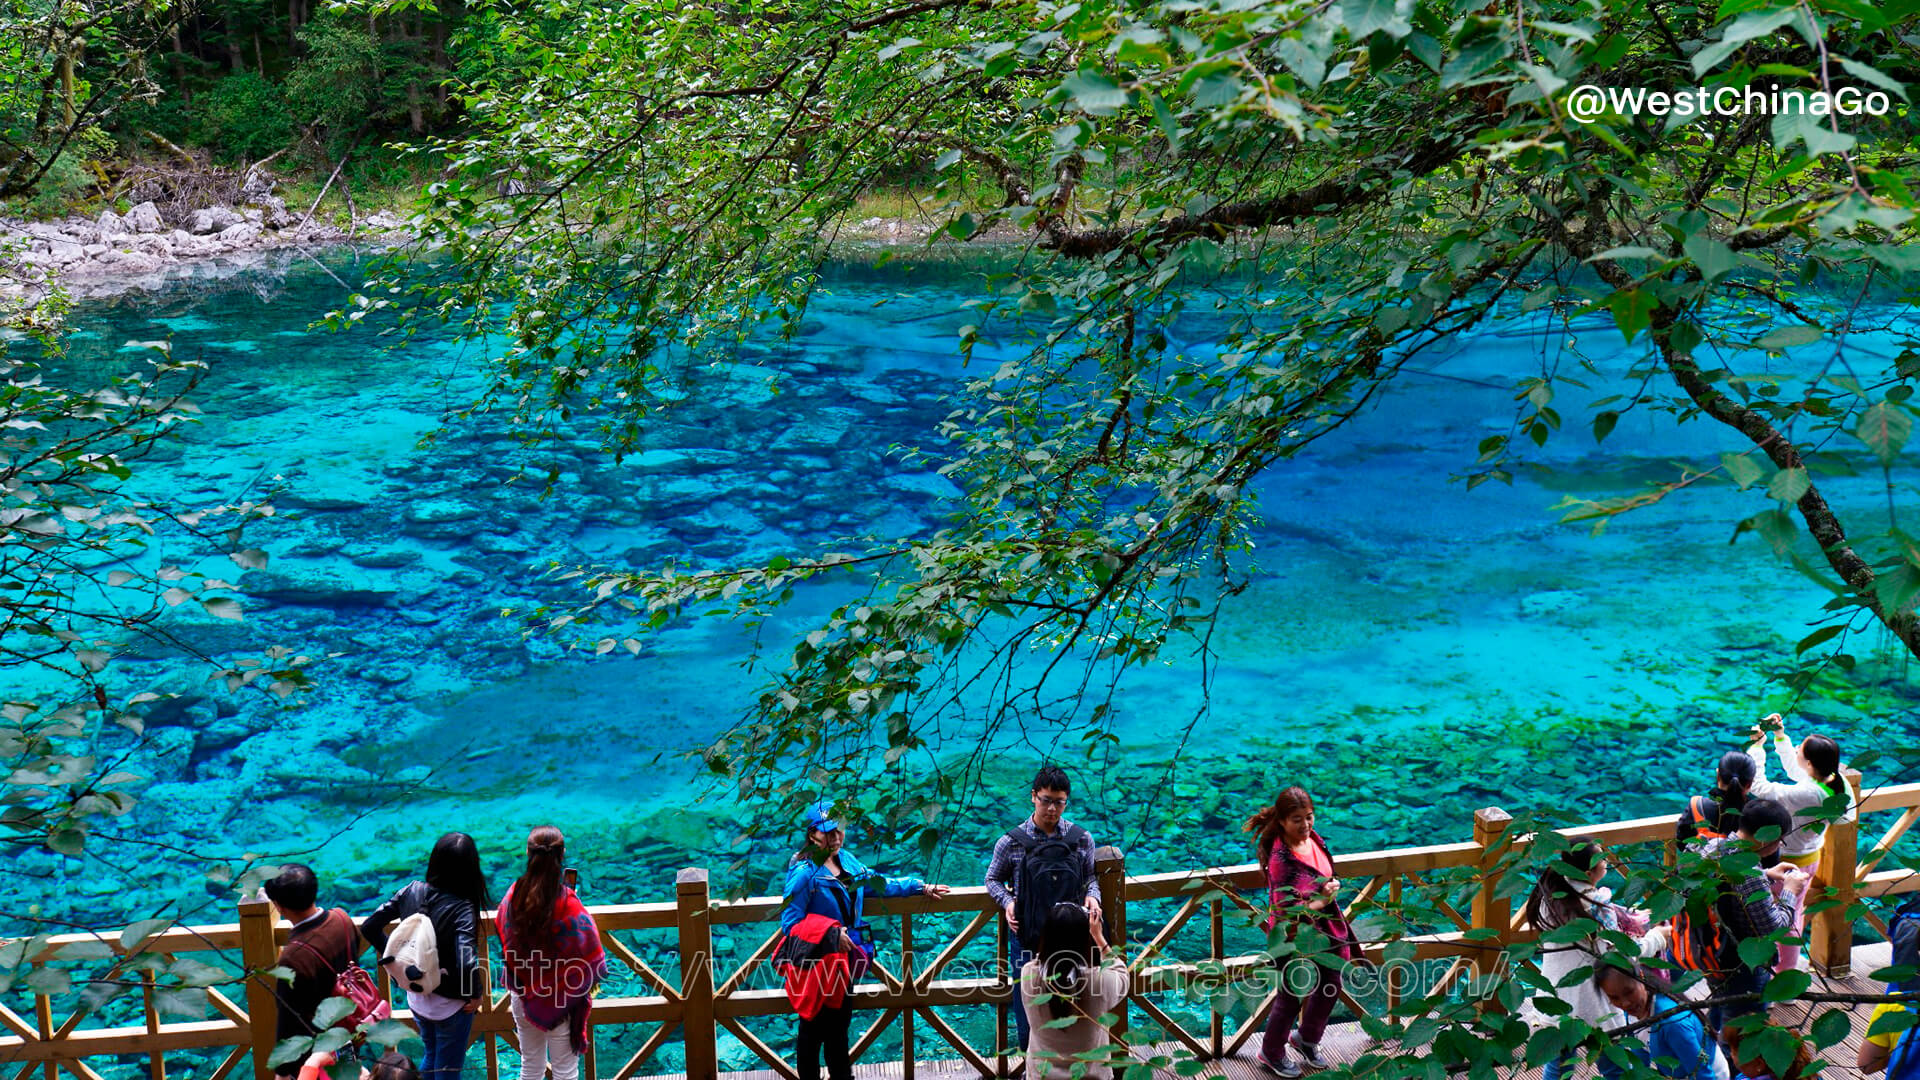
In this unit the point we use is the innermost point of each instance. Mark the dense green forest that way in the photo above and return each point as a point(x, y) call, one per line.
point(86, 89)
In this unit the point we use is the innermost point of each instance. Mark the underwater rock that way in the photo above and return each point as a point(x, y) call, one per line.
point(195, 809)
point(168, 756)
point(824, 430)
point(721, 518)
point(930, 484)
point(188, 630)
point(1551, 603)
point(334, 499)
point(316, 586)
point(441, 511)
point(381, 558)
point(689, 460)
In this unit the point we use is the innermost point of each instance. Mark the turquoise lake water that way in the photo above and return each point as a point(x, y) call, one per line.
point(1409, 649)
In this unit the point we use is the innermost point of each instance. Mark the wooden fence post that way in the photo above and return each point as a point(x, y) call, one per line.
point(1110, 868)
point(258, 952)
point(694, 918)
point(1831, 931)
point(1490, 910)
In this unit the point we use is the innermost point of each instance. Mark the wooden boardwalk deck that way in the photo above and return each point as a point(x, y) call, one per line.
point(1345, 1043)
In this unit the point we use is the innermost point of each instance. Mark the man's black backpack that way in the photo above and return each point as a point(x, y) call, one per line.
point(1051, 871)
point(1903, 930)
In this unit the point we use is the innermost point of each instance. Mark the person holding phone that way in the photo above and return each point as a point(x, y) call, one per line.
point(1301, 891)
point(553, 960)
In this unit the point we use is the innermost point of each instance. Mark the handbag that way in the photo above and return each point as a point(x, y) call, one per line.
point(358, 987)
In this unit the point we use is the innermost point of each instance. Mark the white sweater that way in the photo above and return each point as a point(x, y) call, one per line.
point(1801, 797)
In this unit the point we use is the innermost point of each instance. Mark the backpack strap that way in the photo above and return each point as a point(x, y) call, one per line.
point(1901, 1064)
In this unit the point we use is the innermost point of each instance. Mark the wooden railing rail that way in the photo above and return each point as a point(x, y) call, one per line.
point(694, 1003)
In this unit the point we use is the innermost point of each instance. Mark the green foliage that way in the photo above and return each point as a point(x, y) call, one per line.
point(643, 186)
point(1357, 182)
point(245, 117)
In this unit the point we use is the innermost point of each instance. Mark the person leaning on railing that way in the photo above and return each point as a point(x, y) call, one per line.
point(1569, 891)
point(452, 896)
point(825, 879)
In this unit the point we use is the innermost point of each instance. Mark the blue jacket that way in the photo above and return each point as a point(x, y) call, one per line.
point(1682, 1041)
point(812, 889)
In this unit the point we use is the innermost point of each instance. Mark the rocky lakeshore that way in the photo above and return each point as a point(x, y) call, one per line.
point(146, 248)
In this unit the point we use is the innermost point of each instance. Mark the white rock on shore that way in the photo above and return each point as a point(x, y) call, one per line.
point(33, 254)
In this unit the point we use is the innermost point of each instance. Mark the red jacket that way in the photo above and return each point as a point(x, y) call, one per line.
point(814, 963)
point(1291, 883)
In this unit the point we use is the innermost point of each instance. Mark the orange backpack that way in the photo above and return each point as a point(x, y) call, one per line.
point(1702, 828)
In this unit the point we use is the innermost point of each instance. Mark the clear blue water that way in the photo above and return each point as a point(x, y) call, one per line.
point(1409, 649)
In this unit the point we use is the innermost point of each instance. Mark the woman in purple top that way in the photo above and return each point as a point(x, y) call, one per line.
point(1301, 890)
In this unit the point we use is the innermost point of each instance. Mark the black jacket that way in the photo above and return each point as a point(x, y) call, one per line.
point(455, 925)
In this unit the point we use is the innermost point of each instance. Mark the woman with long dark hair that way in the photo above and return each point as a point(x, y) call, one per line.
point(1078, 985)
point(452, 897)
point(553, 960)
point(1301, 891)
point(1717, 813)
point(1568, 890)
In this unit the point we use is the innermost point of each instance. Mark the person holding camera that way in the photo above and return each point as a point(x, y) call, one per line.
point(1815, 780)
point(825, 882)
point(552, 960)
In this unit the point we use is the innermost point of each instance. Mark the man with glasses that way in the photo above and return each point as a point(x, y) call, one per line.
point(1043, 860)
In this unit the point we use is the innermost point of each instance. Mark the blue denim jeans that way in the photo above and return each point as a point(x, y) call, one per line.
point(1017, 957)
point(446, 1045)
point(1742, 981)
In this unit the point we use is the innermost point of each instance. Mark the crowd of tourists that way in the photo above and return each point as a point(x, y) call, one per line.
point(1765, 833)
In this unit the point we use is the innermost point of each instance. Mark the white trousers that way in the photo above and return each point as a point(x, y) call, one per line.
point(540, 1047)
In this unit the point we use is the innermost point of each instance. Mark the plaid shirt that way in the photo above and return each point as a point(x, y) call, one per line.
point(1003, 870)
point(1748, 909)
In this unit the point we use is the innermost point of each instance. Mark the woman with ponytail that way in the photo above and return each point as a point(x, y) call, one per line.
point(1068, 980)
point(1813, 775)
point(1814, 771)
point(1717, 813)
point(1301, 890)
point(553, 960)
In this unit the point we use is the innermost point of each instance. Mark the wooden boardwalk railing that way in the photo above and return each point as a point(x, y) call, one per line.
point(699, 1001)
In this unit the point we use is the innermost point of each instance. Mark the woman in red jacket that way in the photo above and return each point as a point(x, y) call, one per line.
point(1301, 889)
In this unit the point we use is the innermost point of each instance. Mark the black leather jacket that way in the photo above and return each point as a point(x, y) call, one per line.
point(455, 922)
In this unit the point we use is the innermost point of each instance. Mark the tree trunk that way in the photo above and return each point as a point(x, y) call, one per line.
point(235, 57)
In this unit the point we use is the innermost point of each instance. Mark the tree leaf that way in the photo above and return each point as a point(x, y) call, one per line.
point(1632, 311)
point(223, 608)
point(1790, 337)
point(1885, 428)
point(1742, 30)
point(1789, 484)
point(1095, 94)
point(332, 1011)
point(1715, 259)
